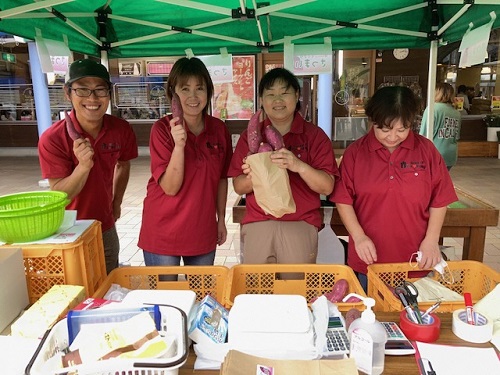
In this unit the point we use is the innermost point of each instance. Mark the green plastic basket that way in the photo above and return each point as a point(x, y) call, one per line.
point(31, 216)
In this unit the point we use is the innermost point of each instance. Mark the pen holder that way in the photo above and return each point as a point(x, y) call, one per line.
point(481, 332)
point(426, 332)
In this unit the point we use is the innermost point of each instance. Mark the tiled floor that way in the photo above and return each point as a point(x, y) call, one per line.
point(477, 176)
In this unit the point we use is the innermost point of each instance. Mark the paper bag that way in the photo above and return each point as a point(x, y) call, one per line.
point(271, 185)
point(238, 363)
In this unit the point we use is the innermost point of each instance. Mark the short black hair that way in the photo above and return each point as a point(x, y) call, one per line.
point(280, 74)
point(392, 103)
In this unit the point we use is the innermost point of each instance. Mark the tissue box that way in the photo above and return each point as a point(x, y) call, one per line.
point(260, 322)
point(209, 323)
point(52, 306)
point(14, 293)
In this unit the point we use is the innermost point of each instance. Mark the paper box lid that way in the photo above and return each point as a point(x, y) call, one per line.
point(14, 292)
point(269, 314)
point(183, 299)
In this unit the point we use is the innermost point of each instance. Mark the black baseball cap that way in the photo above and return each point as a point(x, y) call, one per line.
point(87, 68)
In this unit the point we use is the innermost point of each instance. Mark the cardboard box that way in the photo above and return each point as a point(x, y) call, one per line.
point(51, 307)
point(14, 292)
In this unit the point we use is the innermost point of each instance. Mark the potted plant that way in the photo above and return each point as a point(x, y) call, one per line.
point(493, 124)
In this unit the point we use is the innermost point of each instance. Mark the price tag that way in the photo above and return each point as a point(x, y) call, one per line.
point(362, 350)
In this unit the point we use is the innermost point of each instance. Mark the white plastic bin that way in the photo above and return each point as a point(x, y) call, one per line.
point(174, 322)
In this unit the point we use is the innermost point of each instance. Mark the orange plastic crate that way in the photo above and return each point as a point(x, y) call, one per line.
point(203, 280)
point(468, 276)
point(310, 280)
point(77, 263)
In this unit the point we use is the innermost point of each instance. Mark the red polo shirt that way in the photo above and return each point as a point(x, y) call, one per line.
point(392, 193)
point(116, 141)
point(185, 224)
point(311, 145)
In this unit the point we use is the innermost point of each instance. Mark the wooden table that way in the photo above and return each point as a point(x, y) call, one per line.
point(468, 223)
point(394, 365)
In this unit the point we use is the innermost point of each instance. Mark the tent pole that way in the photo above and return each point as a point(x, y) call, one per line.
point(42, 112)
point(431, 88)
point(105, 62)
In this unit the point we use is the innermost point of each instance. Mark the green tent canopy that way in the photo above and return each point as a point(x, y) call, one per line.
point(146, 28)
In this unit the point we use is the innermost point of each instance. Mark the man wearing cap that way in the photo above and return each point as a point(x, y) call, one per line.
point(94, 168)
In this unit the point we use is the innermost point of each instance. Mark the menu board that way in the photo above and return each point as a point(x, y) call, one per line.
point(236, 99)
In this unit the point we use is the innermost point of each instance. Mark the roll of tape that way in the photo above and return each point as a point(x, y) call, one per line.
point(481, 332)
point(427, 332)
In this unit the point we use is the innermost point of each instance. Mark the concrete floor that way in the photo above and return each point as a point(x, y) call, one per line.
point(477, 176)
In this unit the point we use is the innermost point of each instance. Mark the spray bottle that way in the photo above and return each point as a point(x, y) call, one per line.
point(367, 337)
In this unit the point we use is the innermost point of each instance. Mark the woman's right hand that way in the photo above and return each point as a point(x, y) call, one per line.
point(245, 168)
point(366, 249)
point(178, 131)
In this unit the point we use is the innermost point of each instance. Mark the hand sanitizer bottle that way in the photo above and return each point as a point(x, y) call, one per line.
point(367, 337)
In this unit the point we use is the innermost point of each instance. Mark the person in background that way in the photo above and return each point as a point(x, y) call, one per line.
point(471, 93)
point(462, 93)
point(188, 186)
point(94, 169)
point(310, 162)
point(447, 121)
point(394, 188)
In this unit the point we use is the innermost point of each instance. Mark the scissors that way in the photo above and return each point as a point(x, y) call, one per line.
point(410, 293)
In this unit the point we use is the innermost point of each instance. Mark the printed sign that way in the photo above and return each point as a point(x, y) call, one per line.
point(220, 67)
point(309, 59)
point(131, 69)
point(459, 103)
point(235, 100)
point(495, 102)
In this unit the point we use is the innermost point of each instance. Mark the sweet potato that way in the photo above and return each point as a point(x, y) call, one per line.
point(351, 316)
point(264, 147)
point(274, 137)
point(177, 107)
point(339, 291)
point(70, 127)
point(353, 299)
point(253, 131)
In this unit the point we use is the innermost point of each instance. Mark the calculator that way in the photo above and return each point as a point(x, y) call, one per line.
point(337, 341)
point(397, 343)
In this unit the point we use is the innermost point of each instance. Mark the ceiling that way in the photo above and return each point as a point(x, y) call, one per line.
point(145, 28)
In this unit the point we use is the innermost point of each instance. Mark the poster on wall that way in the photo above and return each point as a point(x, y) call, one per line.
point(236, 99)
point(131, 69)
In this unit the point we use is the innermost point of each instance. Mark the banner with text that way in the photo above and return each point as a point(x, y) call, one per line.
point(220, 67)
point(309, 59)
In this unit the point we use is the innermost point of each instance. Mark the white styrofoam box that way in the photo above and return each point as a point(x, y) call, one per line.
point(14, 293)
point(261, 322)
point(183, 299)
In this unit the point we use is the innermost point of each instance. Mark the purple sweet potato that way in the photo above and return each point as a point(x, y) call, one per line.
point(265, 147)
point(353, 299)
point(339, 291)
point(274, 137)
point(177, 107)
point(253, 131)
point(351, 316)
point(70, 127)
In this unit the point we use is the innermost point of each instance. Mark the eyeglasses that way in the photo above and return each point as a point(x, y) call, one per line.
point(85, 92)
